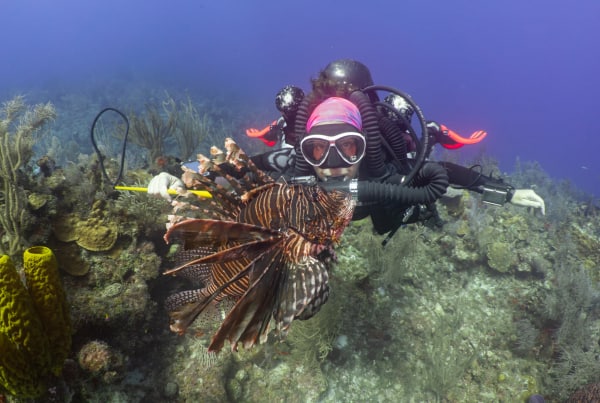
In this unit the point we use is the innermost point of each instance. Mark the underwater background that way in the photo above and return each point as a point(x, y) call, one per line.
point(498, 305)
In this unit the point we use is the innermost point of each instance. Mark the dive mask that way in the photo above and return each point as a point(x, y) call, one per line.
point(349, 146)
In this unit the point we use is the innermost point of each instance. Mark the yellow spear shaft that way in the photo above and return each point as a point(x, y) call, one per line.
point(201, 193)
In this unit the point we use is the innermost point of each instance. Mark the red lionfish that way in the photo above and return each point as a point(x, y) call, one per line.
point(267, 245)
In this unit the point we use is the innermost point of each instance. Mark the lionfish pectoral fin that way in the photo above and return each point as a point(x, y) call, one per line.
point(184, 307)
point(247, 250)
point(302, 294)
point(248, 321)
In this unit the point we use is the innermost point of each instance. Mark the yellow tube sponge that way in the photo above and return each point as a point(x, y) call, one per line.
point(24, 347)
point(49, 299)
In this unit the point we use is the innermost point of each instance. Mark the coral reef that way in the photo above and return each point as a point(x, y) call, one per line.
point(35, 329)
point(568, 310)
point(498, 305)
point(588, 246)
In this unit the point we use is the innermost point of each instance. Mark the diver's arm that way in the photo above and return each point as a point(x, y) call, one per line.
point(495, 191)
point(472, 179)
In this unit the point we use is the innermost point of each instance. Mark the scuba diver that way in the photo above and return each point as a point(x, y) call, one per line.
point(343, 137)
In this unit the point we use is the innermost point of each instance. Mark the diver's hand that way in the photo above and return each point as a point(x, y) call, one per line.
point(528, 198)
point(451, 192)
point(159, 185)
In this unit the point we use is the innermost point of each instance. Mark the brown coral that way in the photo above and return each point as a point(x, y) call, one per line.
point(101, 360)
point(93, 234)
point(70, 260)
point(501, 256)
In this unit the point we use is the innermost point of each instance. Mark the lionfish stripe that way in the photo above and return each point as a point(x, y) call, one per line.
point(197, 274)
point(217, 231)
point(319, 293)
point(182, 298)
point(241, 275)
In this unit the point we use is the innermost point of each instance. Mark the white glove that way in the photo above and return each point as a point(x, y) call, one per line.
point(453, 192)
point(528, 198)
point(159, 185)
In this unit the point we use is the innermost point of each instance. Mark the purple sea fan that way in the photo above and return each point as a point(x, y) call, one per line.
point(268, 247)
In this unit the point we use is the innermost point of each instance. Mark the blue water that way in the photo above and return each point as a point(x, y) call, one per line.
point(525, 71)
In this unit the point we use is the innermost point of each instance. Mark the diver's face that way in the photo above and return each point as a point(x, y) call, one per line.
point(342, 173)
point(334, 155)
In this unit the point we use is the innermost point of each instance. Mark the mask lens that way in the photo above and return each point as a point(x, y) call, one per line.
point(351, 148)
point(315, 150)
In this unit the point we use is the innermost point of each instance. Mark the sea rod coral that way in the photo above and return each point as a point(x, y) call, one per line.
point(19, 127)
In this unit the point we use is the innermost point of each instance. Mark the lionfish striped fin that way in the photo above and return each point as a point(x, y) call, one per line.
point(225, 197)
point(230, 173)
point(196, 273)
point(303, 292)
point(184, 307)
point(247, 250)
point(248, 321)
point(182, 318)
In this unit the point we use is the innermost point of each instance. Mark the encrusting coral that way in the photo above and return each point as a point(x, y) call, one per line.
point(94, 233)
point(35, 327)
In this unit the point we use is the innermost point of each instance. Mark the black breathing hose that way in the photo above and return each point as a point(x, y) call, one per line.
point(433, 176)
point(394, 137)
point(301, 166)
point(100, 156)
point(424, 143)
point(405, 123)
point(370, 121)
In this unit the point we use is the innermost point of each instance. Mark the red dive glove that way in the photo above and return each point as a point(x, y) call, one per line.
point(450, 139)
point(269, 135)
